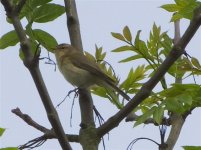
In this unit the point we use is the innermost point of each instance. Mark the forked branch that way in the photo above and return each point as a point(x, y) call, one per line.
point(177, 50)
point(32, 64)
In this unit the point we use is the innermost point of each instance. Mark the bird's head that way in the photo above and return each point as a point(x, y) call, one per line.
point(62, 47)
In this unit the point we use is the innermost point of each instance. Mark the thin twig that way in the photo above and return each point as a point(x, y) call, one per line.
point(37, 142)
point(100, 121)
point(130, 146)
point(71, 111)
point(48, 134)
point(29, 120)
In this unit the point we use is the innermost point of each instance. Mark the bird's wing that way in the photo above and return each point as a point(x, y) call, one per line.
point(90, 66)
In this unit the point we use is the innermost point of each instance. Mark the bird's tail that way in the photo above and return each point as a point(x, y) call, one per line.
point(124, 95)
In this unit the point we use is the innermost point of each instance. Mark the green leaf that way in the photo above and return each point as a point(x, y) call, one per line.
point(29, 7)
point(143, 48)
point(181, 2)
point(156, 33)
point(107, 93)
point(2, 130)
point(130, 78)
point(47, 12)
point(185, 98)
point(182, 9)
point(123, 48)
point(98, 52)
point(130, 84)
point(187, 8)
point(9, 148)
point(9, 39)
point(166, 43)
point(144, 117)
point(174, 105)
point(187, 11)
point(118, 36)
point(158, 114)
point(100, 91)
point(89, 56)
point(100, 55)
point(131, 58)
point(144, 109)
point(137, 39)
point(176, 17)
point(170, 7)
point(192, 147)
point(127, 34)
point(45, 39)
point(195, 62)
point(35, 3)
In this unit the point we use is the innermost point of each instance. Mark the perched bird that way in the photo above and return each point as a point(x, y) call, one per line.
point(81, 71)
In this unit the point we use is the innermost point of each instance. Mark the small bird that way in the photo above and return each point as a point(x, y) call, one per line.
point(81, 71)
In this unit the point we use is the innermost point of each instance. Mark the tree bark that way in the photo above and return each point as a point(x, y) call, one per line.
point(88, 136)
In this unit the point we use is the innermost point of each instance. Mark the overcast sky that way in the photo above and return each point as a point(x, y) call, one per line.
point(97, 20)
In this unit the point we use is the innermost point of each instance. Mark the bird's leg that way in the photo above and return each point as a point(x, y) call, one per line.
point(76, 95)
point(74, 90)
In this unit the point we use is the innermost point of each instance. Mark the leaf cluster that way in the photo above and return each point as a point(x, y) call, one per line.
point(181, 9)
point(177, 98)
point(130, 85)
point(191, 147)
point(34, 11)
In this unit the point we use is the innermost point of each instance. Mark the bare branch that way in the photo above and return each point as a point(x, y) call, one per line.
point(73, 24)
point(177, 50)
point(29, 120)
point(48, 134)
point(177, 35)
point(85, 100)
point(177, 122)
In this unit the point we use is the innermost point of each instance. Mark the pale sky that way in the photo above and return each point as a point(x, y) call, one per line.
point(97, 20)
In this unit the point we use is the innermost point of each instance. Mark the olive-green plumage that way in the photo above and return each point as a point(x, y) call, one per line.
point(81, 71)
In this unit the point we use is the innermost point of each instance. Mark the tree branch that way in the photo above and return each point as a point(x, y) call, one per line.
point(20, 5)
point(48, 134)
point(177, 36)
point(88, 136)
point(73, 24)
point(85, 99)
point(31, 62)
point(177, 121)
point(177, 50)
point(29, 120)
